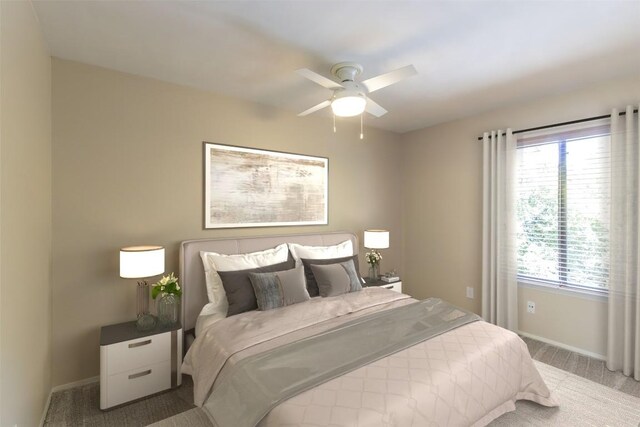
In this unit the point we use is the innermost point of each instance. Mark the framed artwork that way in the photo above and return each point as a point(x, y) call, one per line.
point(248, 187)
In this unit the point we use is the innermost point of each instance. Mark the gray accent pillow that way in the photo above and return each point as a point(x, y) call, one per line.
point(279, 289)
point(336, 279)
point(312, 286)
point(238, 287)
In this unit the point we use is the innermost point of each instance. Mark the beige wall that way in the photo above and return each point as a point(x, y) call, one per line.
point(127, 169)
point(25, 217)
point(443, 211)
point(576, 321)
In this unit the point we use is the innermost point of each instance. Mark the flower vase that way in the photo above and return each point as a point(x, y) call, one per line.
point(373, 272)
point(168, 309)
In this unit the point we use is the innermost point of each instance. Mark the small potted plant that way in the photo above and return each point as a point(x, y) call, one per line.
point(373, 258)
point(167, 306)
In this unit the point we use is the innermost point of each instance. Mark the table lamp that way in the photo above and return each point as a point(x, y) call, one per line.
point(141, 262)
point(374, 240)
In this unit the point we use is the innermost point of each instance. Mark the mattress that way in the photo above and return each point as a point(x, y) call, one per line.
point(467, 376)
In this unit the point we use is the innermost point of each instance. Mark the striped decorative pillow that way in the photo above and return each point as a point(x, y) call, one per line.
point(280, 288)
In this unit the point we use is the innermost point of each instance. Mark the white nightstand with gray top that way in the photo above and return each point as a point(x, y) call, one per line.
point(135, 364)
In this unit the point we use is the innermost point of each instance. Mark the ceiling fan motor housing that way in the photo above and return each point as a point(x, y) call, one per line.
point(350, 89)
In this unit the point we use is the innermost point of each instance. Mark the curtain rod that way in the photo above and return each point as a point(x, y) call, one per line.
point(572, 122)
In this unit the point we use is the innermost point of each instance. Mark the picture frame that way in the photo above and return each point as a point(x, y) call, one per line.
point(251, 187)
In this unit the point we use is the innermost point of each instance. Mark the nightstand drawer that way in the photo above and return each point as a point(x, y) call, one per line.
point(395, 286)
point(138, 383)
point(133, 354)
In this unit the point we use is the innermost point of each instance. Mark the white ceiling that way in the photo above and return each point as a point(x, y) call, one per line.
point(471, 56)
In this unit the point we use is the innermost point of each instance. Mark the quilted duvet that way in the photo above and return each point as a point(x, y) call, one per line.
point(467, 376)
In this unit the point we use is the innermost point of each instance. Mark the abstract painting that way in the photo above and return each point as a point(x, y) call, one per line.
point(248, 187)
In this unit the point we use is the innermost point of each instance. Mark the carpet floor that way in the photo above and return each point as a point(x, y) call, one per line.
point(79, 406)
point(582, 403)
point(582, 366)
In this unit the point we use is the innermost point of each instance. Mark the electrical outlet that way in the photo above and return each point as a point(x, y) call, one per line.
point(469, 292)
point(531, 307)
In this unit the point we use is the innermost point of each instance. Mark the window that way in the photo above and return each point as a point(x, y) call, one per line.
point(562, 208)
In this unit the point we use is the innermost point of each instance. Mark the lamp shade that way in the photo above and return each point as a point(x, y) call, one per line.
point(348, 106)
point(376, 239)
point(137, 262)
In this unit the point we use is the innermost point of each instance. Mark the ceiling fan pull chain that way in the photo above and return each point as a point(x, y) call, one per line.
point(361, 126)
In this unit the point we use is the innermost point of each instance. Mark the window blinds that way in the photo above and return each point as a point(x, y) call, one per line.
point(562, 207)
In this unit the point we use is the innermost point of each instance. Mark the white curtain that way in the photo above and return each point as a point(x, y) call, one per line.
point(623, 346)
point(499, 270)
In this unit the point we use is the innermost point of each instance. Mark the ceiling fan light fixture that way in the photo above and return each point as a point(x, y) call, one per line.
point(348, 106)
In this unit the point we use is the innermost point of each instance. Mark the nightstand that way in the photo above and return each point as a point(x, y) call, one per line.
point(394, 286)
point(135, 364)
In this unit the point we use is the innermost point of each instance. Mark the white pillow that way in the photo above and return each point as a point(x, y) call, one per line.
point(214, 262)
point(209, 315)
point(320, 252)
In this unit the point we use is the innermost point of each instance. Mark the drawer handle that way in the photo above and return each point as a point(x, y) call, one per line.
point(139, 344)
point(139, 374)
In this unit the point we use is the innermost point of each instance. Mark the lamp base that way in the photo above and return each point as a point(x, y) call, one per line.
point(145, 322)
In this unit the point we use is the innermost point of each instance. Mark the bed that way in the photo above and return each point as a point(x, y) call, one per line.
point(468, 374)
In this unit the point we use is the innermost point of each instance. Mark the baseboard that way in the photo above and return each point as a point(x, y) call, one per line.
point(75, 384)
point(564, 346)
point(46, 409)
point(64, 387)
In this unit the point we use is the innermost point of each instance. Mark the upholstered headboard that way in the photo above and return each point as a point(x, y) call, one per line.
point(194, 292)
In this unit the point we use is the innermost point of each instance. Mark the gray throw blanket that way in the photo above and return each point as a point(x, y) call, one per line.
point(245, 392)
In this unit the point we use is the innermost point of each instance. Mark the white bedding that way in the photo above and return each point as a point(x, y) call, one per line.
point(467, 376)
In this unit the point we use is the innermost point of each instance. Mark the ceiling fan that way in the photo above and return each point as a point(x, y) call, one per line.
point(351, 98)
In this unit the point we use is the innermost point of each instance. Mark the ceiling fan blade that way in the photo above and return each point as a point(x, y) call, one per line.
point(317, 78)
point(384, 80)
point(315, 108)
point(374, 108)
